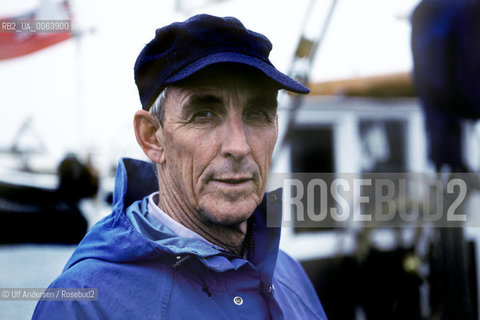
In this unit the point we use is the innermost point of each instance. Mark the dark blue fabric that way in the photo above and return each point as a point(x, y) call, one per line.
point(183, 48)
point(179, 278)
point(446, 51)
point(446, 47)
point(432, 23)
point(466, 29)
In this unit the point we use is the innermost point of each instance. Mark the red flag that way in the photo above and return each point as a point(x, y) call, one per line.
point(26, 34)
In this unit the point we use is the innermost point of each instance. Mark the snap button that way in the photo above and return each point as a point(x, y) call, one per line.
point(271, 289)
point(238, 300)
point(273, 198)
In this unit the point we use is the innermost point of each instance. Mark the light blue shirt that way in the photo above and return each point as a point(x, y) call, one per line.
point(156, 217)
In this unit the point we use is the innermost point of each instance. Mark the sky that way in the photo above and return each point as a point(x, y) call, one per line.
point(81, 95)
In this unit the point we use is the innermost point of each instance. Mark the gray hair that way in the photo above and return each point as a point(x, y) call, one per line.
point(158, 106)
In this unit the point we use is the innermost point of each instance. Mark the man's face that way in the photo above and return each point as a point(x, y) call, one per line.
point(219, 134)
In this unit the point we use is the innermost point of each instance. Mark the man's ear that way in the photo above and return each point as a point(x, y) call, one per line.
point(149, 135)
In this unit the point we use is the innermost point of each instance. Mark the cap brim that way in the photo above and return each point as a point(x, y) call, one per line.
point(284, 81)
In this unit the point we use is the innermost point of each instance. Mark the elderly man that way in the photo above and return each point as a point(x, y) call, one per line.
point(187, 238)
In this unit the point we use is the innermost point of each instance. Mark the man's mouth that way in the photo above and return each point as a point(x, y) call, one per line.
point(234, 180)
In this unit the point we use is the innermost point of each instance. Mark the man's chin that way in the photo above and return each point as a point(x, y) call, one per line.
point(228, 215)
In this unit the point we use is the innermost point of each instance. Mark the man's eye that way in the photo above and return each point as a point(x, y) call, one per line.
point(204, 114)
point(205, 117)
point(258, 115)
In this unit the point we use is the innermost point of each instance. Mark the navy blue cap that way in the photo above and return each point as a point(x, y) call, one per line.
point(183, 48)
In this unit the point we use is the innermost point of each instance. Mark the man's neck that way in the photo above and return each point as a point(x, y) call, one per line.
point(230, 238)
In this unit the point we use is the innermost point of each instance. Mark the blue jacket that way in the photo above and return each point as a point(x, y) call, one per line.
point(175, 277)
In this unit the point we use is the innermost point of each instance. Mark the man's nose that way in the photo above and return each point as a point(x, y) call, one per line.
point(235, 138)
